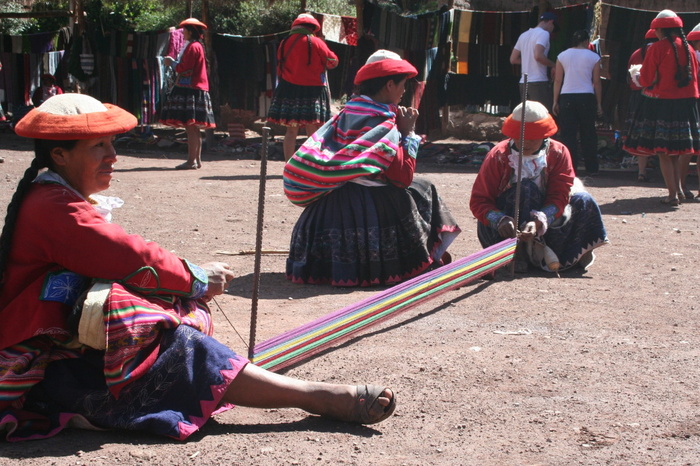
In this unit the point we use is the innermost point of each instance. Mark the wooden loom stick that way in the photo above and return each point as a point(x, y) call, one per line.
point(303, 342)
point(258, 240)
point(521, 143)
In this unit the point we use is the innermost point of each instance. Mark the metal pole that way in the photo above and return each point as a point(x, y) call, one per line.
point(258, 241)
point(520, 154)
point(521, 143)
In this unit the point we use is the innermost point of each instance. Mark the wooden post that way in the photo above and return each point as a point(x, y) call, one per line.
point(445, 120)
point(359, 11)
point(211, 61)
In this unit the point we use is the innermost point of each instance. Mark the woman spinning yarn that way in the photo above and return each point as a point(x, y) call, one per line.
point(553, 211)
point(366, 220)
point(103, 329)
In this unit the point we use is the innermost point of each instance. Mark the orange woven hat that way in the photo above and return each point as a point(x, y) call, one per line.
point(666, 19)
point(193, 22)
point(384, 63)
point(66, 117)
point(307, 20)
point(539, 124)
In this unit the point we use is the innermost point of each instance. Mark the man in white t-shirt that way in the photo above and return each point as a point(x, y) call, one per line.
point(530, 52)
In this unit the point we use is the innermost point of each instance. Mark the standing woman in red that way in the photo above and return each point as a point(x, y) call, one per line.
point(637, 58)
point(694, 41)
point(301, 97)
point(666, 123)
point(189, 103)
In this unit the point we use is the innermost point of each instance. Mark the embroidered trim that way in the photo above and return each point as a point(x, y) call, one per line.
point(411, 143)
point(63, 287)
point(494, 217)
point(201, 282)
point(550, 211)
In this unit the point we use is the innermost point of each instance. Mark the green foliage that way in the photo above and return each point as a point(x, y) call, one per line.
point(409, 6)
point(242, 17)
point(11, 25)
point(254, 17)
point(257, 17)
point(32, 25)
point(132, 15)
point(336, 7)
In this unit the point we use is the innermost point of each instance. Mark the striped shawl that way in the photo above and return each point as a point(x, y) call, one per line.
point(361, 141)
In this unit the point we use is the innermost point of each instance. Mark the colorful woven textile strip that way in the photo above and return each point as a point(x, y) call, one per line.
point(301, 343)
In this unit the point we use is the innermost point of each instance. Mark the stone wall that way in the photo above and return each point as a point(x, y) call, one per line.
point(474, 126)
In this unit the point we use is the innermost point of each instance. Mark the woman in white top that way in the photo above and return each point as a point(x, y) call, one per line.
point(577, 100)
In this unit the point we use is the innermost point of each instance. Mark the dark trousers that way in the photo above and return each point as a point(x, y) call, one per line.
point(577, 113)
point(539, 91)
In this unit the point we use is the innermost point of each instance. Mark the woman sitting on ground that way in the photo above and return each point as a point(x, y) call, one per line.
point(366, 220)
point(552, 212)
point(103, 329)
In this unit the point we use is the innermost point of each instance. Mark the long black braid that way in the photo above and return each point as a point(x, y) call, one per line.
point(682, 77)
point(42, 159)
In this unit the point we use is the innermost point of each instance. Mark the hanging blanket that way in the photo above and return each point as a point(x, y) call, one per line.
point(361, 141)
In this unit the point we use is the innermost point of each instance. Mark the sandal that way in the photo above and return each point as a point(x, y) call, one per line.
point(672, 202)
point(187, 166)
point(688, 195)
point(367, 409)
point(643, 177)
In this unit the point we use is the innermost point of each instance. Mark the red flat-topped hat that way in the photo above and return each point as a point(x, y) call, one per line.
point(306, 20)
point(666, 19)
point(384, 63)
point(539, 124)
point(694, 34)
point(650, 34)
point(66, 117)
point(193, 22)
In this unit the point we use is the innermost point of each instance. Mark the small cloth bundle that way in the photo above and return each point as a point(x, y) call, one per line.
point(634, 74)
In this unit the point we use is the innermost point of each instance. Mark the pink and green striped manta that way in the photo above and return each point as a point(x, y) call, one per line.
point(303, 342)
point(360, 141)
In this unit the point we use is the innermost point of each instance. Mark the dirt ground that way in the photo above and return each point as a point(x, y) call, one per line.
point(590, 368)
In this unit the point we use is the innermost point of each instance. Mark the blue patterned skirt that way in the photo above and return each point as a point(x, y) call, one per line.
point(188, 107)
point(569, 238)
point(180, 392)
point(294, 105)
point(665, 126)
point(363, 236)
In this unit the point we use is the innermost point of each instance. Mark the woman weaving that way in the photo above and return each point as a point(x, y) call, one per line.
point(103, 329)
point(367, 221)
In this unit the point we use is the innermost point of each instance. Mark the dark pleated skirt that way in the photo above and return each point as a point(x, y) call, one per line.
point(180, 392)
point(665, 126)
point(583, 232)
point(364, 236)
point(294, 105)
point(188, 107)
